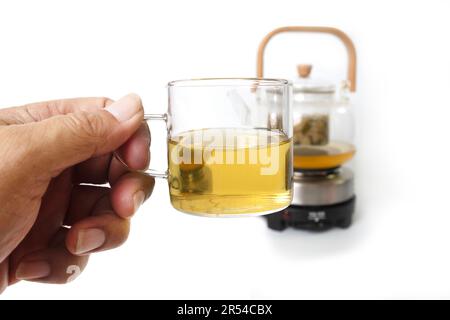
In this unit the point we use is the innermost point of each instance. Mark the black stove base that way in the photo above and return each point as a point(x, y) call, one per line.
point(313, 218)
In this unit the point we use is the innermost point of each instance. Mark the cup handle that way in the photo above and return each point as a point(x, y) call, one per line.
point(150, 172)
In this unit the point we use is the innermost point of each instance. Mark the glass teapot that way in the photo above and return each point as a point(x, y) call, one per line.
point(323, 123)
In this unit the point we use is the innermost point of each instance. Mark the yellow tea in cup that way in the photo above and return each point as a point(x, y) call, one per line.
point(222, 172)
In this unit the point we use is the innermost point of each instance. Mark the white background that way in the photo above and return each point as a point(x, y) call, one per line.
point(398, 246)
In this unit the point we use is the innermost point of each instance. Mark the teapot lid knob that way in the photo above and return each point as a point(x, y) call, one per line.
point(304, 70)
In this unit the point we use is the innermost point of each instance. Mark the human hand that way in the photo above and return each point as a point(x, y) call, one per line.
point(53, 156)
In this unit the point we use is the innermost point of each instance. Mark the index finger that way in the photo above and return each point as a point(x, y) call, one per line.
point(135, 153)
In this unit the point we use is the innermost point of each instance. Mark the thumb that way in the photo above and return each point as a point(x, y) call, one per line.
point(61, 141)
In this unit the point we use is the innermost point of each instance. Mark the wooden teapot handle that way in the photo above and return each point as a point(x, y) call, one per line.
point(351, 52)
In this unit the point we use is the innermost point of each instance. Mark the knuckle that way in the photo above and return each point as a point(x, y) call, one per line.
point(105, 101)
point(88, 125)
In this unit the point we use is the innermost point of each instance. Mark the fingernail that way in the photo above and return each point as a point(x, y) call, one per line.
point(126, 107)
point(138, 199)
point(32, 270)
point(89, 239)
